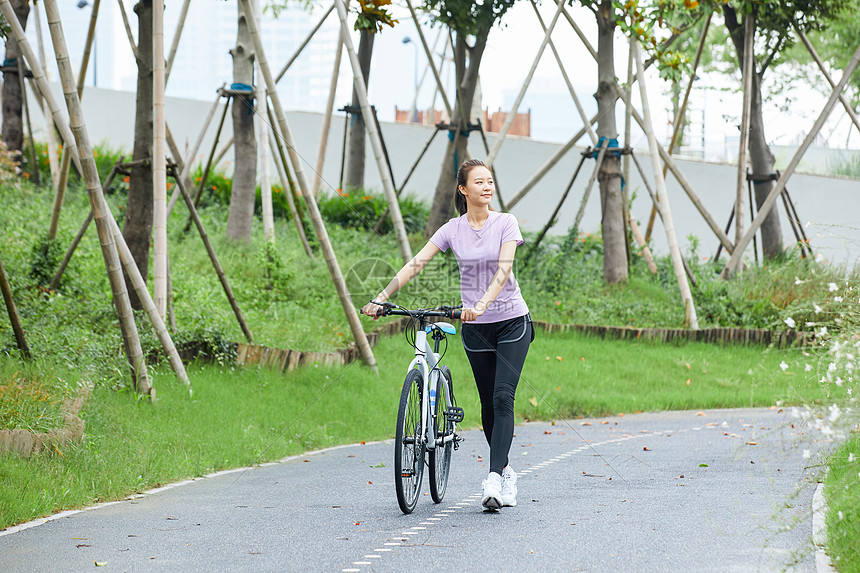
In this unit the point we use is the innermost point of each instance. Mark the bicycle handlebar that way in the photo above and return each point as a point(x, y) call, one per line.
point(389, 309)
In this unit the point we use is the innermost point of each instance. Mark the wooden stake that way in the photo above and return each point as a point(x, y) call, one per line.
point(13, 313)
point(26, 107)
point(509, 119)
point(262, 130)
point(680, 272)
point(159, 163)
point(375, 139)
point(322, 234)
point(84, 156)
point(741, 245)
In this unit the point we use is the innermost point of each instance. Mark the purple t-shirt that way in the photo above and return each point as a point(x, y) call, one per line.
point(477, 254)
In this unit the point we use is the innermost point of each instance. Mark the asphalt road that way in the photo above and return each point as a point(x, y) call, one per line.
point(721, 490)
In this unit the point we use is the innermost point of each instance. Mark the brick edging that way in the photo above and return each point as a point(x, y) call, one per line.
point(26, 443)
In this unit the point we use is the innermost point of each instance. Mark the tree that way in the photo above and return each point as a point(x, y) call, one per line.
point(371, 18)
point(466, 19)
point(244, 136)
point(137, 228)
point(13, 125)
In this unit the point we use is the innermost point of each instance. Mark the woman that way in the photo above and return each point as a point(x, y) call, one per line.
point(497, 328)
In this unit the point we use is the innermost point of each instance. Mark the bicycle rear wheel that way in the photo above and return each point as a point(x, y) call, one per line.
point(440, 456)
point(409, 444)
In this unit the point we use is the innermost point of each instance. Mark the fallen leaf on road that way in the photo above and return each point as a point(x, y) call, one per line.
point(646, 448)
point(700, 413)
point(711, 424)
point(604, 422)
point(100, 563)
point(585, 423)
point(363, 442)
point(547, 432)
point(704, 466)
point(752, 443)
point(370, 483)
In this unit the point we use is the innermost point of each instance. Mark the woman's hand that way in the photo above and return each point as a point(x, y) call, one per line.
point(469, 314)
point(372, 310)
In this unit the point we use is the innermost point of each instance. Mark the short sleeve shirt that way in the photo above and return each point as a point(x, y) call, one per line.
point(477, 253)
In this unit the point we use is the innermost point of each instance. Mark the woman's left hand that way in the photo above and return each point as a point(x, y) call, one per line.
point(469, 314)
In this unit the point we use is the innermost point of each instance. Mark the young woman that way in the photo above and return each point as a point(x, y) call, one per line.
point(497, 328)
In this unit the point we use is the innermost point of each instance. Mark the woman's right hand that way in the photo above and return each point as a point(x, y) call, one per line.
point(372, 310)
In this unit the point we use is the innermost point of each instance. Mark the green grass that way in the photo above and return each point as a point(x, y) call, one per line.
point(240, 416)
point(843, 514)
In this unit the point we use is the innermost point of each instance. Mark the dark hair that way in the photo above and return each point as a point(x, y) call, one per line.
point(462, 175)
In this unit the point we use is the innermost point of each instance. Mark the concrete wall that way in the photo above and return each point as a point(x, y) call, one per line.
point(828, 207)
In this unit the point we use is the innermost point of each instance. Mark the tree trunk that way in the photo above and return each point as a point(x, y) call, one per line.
point(455, 152)
point(760, 156)
point(13, 99)
point(611, 201)
point(244, 138)
point(354, 177)
point(137, 229)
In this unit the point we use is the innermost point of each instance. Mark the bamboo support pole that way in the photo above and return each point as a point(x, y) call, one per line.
point(548, 165)
point(127, 26)
point(375, 138)
point(414, 107)
point(65, 158)
point(842, 99)
point(58, 275)
point(84, 155)
point(566, 78)
point(439, 85)
point(581, 211)
point(628, 122)
point(509, 119)
point(793, 210)
point(295, 197)
point(222, 278)
point(552, 217)
point(262, 132)
point(177, 34)
point(280, 167)
point(26, 108)
point(748, 70)
point(752, 218)
point(319, 226)
point(209, 161)
point(304, 43)
point(680, 272)
point(643, 244)
point(741, 245)
point(678, 124)
point(20, 340)
point(185, 167)
point(159, 163)
point(326, 126)
point(52, 134)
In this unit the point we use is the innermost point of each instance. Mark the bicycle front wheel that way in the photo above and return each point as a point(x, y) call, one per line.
point(440, 456)
point(409, 444)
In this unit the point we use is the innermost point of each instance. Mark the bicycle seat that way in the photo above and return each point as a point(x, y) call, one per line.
point(443, 326)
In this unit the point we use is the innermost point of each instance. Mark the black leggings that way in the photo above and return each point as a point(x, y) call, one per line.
point(497, 352)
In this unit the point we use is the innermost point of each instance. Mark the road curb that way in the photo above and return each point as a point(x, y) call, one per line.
point(819, 531)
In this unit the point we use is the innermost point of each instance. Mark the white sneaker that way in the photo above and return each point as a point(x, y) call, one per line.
point(491, 497)
point(509, 487)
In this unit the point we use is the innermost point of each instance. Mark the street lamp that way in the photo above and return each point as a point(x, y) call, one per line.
point(81, 5)
point(408, 40)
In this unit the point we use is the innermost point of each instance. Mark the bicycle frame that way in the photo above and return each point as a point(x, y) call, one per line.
point(427, 361)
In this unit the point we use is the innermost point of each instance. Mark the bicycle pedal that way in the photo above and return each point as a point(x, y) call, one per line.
point(457, 440)
point(454, 414)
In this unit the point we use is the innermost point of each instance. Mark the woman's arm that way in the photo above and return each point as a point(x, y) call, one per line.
point(402, 278)
point(506, 265)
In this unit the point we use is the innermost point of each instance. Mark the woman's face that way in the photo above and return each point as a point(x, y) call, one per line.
point(479, 188)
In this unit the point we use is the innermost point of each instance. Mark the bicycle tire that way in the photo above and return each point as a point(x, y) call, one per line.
point(408, 444)
point(440, 456)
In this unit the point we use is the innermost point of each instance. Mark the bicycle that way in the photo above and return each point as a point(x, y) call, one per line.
point(428, 415)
